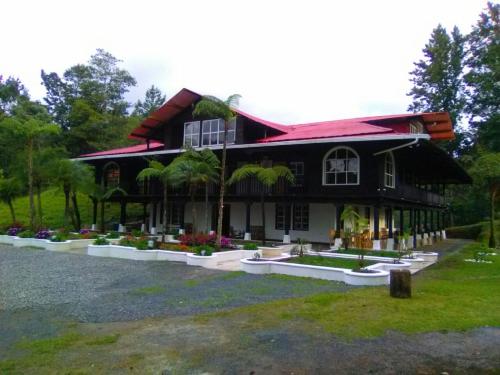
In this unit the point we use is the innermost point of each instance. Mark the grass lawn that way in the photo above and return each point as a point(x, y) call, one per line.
point(315, 260)
point(53, 210)
point(378, 253)
point(452, 295)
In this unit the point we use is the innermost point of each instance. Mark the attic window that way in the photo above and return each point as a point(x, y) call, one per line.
point(416, 127)
point(192, 134)
point(213, 132)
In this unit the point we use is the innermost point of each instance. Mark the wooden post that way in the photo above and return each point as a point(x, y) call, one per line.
point(400, 284)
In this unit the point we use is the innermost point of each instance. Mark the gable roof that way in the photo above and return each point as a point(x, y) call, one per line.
point(127, 150)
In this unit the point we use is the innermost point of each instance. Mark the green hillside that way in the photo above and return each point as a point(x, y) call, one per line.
point(53, 210)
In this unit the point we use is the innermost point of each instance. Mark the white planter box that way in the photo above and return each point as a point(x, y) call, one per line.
point(28, 242)
point(81, 244)
point(9, 240)
point(57, 246)
point(202, 261)
point(170, 255)
point(317, 272)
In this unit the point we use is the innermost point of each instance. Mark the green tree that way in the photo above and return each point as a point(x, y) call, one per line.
point(157, 170)
point(195, 169)
point(353, 224)
point(486, 172)
point(11, 92)
point(10, 188)
point(100, 194)
point(153, 99)
point(483, 77)
point(89, 104)
point(267, 176)
point(438, 80)
point(29, 125)
point(210, 106)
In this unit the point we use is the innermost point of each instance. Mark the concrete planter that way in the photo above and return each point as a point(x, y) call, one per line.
point(8, 240)
point(28, 242)
point(172, 256)
point(380, 277)
point(57, 246)
point(209, 261)
point(427, 256)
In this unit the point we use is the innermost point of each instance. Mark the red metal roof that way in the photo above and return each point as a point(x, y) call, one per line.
point(127, 150)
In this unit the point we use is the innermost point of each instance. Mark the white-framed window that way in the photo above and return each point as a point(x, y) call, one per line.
point(192, 134)
point(297, 168)
point(416, 127)
point(389, 170)
point(279, 216)
point(341, 167)
point(213, 132)
point(301, 216)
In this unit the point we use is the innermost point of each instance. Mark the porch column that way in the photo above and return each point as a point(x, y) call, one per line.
point(123, 217)
point(248, 234)
point(153, 218)
point(438, 225)
point(401, 227)
point(432, 229)
point(94, 214)
point(182, 209)
point(443, 231)
point(337, 244)
point(390, 240)
point(144, 225)
point(376, 224)
point(419, 227)
point(288, 209)
point(159, 217)
point(425, 229)
point(413, 227)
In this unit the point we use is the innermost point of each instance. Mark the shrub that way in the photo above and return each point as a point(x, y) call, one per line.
point(87, 235)
point(59, 237)
point(137, 233)
point(73, 236)
point(204, 250)
point(113, 235)
point(250, 246)
point(101, 241)
point(226, 243)
point(13, 231)
point(127, 241)
point(174, 247)
point(43, 234)
point(197, 240)
point(26, 234)
point(3, 232)
point(141, 244)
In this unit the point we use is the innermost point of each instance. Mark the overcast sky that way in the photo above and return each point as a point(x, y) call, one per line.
point(292, 61)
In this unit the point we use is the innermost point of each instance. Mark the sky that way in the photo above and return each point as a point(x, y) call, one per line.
point(291, 61)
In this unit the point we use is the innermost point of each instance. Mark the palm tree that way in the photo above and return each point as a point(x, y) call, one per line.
point(102, 193)
point(162, 172)
point(355, 223)
point(10, 188)
point(194, 169)
point(267, 176)
point(210, 106)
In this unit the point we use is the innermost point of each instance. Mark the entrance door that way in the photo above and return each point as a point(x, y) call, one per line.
point(226, 219)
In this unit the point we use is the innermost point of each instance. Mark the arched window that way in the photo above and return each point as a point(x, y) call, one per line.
point(341, 167)
point(111, 175)
point(389, 170)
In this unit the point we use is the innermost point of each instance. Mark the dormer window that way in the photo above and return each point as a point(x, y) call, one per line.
point(192, 134)
point(416, 127)
point(213, 132)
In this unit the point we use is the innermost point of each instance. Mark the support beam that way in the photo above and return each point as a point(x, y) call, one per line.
point(94, 214)
point(390, 240)
point(144, 225)
point(248, 235)
point(376, 229)
point(153, 221)
point(338, 226)
point(413, 227)
point(288, 210)
point(123, 217)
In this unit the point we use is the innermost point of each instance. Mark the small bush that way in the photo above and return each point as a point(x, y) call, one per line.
point(137, 233)
point(174, 247)
point(250, 246)
point(26, 234)
point(14, 231)
point(127, 241)
point(141, 244)
point(113, 235)
point(198, 239)
point(58, 237)
point(204, 250)
point(101, 241)
point(43, 234)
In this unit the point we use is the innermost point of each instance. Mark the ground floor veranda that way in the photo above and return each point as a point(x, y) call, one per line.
point(285, 221)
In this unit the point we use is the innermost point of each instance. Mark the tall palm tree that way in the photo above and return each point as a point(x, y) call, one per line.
point(194, 169)
point(267, 176)
point(210, 106)
point(102, 193)
point(157, 170)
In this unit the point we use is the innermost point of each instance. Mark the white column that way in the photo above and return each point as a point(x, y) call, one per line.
point(390, 244)
point(376, 245)
point(159, 225)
